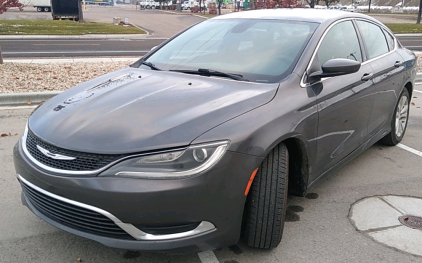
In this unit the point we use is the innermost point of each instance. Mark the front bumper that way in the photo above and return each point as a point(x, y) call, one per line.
point(213, 200)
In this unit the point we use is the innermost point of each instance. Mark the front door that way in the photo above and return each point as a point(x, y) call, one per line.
point(344, 102)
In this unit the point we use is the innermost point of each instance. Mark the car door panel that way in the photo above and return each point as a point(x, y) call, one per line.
point(344, 102)
point(387, 66)
point(344, 106)
point(388, 82)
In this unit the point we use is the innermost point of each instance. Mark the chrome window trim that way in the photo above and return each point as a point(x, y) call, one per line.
point(381, 27)
point(136, 233)
point(67, 172)
point(302, 81)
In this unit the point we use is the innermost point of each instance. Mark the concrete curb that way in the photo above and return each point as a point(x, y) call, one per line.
point(188, 14)
point(26, 98)
point(409, 35)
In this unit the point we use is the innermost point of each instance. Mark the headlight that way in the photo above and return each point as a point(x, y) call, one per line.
point(194, 160)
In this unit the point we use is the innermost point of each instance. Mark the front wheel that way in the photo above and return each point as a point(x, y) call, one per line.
point(399, 120)
point(265, 208)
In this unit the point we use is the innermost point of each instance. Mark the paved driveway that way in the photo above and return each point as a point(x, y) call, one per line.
point(160, 24)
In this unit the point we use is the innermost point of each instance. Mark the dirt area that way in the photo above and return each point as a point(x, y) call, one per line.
point(23, 77)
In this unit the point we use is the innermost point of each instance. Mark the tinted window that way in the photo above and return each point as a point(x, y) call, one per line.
point(260, 50)
point(390, 40)
point(374, 39)
point(340, 42)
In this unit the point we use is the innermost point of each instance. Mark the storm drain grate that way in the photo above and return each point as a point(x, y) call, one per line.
point(414, 222)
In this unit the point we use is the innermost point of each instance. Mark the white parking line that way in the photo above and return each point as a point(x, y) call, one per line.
point(418, 90)
point(208, 257)
point(407, 148)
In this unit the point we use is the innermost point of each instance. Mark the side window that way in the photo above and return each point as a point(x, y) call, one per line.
point(390, 40)
point(374, 39)
point(340, 42)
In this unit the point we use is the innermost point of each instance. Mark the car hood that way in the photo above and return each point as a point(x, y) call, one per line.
point(136, 110)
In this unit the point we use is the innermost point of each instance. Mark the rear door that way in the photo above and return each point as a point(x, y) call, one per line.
point(387, 66)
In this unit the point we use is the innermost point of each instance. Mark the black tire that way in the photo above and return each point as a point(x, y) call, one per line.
point(46, 9)
point(394, 137)
point(265, 208)
point(40, 9)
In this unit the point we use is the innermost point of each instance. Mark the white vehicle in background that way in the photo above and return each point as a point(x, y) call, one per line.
point(149, 4)
point(187, 5)
point(40, 5)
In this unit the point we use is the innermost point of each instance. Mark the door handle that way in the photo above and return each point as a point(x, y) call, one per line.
point(367, 76)
point(398, 64)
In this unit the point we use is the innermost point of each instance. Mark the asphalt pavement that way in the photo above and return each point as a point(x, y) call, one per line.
point(77, 47)
point(318, 228)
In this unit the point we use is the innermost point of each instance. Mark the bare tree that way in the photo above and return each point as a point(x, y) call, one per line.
point(220, 3)
point(329, 2)
point(419, 13)
point(312, 3)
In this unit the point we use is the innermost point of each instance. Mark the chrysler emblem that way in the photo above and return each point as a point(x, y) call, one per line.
point(54, 155)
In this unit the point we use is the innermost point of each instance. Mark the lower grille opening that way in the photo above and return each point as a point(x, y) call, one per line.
point(73, 216)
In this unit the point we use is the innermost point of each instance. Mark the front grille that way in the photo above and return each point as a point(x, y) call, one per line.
point(83, 161)
point(74, 216)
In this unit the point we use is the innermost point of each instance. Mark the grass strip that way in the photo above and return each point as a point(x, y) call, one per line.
point(405, 28)
point(61, 27)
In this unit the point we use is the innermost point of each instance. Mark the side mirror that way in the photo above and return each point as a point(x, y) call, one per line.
point(336, 67)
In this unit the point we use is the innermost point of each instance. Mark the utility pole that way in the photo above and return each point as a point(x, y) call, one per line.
point(1, 57)
point(81, 12)
point(419, 13)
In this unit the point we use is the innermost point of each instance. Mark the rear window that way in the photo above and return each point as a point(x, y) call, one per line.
point(374, 39)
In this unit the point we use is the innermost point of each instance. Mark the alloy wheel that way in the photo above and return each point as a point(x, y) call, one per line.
point(401, 116)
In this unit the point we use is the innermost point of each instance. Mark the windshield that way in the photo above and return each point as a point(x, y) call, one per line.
point(259, 50)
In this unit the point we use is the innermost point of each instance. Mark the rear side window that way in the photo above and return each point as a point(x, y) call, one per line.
point(340, 42)
point(374, 39)
point(390, 40)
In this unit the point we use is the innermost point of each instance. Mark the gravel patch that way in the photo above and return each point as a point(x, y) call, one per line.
point(23, 77)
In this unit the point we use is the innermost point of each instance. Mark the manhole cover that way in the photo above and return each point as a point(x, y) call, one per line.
point(414, 222)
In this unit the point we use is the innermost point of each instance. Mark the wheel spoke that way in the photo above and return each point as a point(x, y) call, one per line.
point(399, 128)
point(404, 110)
point(401, 115)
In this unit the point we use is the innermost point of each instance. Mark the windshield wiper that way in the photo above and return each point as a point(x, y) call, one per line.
point(149, 64)
point(210, 72)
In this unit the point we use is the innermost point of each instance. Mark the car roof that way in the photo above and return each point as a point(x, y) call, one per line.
point(297, 14)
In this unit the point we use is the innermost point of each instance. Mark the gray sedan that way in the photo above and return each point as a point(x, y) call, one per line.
point(198, 143)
